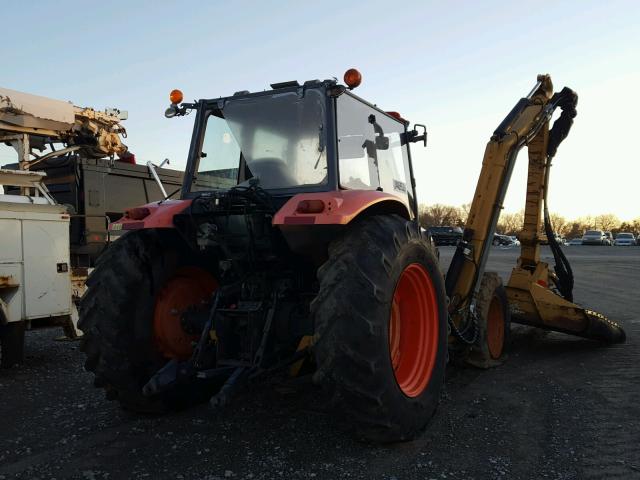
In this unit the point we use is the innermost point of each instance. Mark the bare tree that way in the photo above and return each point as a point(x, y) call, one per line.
point(632, 226)
point(511, 223)
point(463, 211)
point(559, 224)
point(438, 214)
point(574, 229)
point(587, 222)
point(607, 221)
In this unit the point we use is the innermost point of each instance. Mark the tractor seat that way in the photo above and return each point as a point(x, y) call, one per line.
point(273, 172)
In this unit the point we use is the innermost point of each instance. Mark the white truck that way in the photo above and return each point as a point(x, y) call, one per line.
point(47, 253)
point(35, 276)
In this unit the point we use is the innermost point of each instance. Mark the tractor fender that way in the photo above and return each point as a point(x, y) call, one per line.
point(341, 207)
point(151, 215)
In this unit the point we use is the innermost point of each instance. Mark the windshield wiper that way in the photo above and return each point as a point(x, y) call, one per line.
point(321, 145)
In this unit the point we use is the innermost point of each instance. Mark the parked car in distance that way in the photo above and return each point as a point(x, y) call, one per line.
point(575, 241)
point(625, 239)
point(502, 240)
point(560, 240)
point(515, 240)
point(609, 236)
point(428, 235)
point(444, 235)
point(595, 237)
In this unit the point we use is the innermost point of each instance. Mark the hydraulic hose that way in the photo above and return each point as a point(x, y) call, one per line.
point(562, 266)
point(567, 100)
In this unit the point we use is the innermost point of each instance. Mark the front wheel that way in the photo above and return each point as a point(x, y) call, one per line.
point(494, 323)
point(381, 331)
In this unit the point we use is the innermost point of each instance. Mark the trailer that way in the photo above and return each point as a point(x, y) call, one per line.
point(35, 272)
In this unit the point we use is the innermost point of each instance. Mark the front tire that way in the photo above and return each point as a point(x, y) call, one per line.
point(494, 323)
point(381, 328)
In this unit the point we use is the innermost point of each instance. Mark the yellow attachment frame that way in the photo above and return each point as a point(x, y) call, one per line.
point(532, 300)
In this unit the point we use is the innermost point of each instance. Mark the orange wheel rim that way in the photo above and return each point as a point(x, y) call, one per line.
point(495, 328)
point(413, 330)
point(189, 286)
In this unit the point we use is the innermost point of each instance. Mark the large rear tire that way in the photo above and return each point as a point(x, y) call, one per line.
point(117, 316)
point(381, 328)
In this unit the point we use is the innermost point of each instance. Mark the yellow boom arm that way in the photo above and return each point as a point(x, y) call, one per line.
point(531, 298)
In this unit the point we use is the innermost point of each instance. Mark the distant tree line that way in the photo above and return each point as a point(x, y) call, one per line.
point(511, 223)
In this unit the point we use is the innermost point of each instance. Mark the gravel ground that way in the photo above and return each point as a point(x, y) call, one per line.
point(559, 408)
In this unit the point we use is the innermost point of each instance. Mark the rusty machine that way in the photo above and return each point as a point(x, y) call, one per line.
point(87, 177)
point(87, 165)
point(295, 246)
point(33, 123)
point(42, 281)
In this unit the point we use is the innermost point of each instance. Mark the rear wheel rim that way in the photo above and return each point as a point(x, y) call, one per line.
point(189, 286)
point(414, 330)
point(495, 327)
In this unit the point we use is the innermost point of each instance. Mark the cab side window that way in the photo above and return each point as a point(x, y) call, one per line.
point(371, 155)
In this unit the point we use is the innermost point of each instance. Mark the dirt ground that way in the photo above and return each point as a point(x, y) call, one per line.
point(559, 408)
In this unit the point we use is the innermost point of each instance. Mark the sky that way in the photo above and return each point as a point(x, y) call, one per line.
point(458, 67)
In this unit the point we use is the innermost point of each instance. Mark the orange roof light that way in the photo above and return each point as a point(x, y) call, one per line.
point(175, 96)
point(352, 78)
point(396, 115)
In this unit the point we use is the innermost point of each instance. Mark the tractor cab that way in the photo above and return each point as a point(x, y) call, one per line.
point(293, 139)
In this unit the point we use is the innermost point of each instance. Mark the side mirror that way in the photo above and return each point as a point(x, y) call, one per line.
point(382, 142)
point(179, 110)
point(420, 138)
point(171, 112)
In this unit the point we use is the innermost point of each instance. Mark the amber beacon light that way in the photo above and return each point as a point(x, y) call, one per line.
point(352, 78)
point(176, 96)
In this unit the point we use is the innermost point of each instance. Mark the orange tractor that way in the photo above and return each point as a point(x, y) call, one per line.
point(295, 246)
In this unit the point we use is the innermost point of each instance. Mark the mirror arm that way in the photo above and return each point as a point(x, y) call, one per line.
point(413, 137)
point(176, 110)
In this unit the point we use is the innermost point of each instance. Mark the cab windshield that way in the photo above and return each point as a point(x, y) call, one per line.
point(279, 139)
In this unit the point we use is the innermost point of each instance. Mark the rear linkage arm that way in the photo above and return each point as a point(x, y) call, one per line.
point(235, 374)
